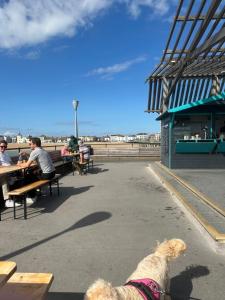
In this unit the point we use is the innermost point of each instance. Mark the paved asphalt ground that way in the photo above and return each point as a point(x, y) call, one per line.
point(211, 182)
point(102, 225)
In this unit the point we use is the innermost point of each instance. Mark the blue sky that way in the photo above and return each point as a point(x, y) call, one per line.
point(96, 51)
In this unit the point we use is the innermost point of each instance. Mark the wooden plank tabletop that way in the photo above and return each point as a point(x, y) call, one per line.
point(10, 169)
point(7, 268)
point(71, 155)
point(27, 286)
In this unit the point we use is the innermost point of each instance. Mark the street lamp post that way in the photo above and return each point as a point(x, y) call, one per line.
point(75, 106)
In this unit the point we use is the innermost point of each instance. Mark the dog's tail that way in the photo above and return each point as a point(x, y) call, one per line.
point(101, 290)
point(171, 248)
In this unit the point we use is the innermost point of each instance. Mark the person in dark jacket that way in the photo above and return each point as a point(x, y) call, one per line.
point(73, 144)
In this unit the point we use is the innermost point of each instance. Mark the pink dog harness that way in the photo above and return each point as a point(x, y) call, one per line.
point(148, 288)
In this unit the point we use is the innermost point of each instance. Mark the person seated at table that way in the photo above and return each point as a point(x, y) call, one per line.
point(73, 146)
point(5, 180)
point(84, 152)
point(44, 161)
point(23, 157)
point(65, 153)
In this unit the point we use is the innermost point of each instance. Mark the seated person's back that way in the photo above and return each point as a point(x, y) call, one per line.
point(43, 159)
point(84, 151)
point(73, 146)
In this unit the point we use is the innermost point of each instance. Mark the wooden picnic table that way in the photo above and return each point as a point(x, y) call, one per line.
point(10, 169)
point(73, 155)
point(26, 286)
point(13, 168)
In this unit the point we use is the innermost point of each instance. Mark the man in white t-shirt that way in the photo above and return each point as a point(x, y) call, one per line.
point(5, 180)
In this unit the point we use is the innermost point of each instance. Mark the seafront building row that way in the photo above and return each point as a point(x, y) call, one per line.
point(145, 137)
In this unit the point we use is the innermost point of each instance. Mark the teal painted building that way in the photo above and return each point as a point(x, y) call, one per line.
point(191, 134)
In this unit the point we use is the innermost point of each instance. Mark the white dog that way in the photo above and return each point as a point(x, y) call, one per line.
point(149, 281)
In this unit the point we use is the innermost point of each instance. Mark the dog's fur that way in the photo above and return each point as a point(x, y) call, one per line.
point(154, 266)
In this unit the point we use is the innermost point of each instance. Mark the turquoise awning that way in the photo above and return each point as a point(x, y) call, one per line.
point(219, 97)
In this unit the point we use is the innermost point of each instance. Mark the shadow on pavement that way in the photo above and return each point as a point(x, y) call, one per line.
point(65, 296)
point(96, 170)
point(50, 204)
point(181, 285)
point(45, 203)
point(86, 221)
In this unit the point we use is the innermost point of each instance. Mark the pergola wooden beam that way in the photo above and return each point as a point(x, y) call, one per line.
point(200, 56)
point(193, 18)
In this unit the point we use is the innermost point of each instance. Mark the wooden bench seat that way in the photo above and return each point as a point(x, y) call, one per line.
point(60, 164)
point(29, 187)
point(26, 286)
point(7, 268)
point(22, 191)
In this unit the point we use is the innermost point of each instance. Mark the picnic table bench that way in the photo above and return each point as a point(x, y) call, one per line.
point(26, 286)
point(62, 166)
point(22, 191)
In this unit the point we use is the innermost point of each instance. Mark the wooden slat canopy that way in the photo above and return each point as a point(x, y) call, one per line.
point(192, 66)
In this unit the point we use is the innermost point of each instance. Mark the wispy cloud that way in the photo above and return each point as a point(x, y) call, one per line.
point(8, 130)
point(60, 48)
point(29, 22)
point(32, 55)
point(9, 133)
point(108, 72)
point(158, 7)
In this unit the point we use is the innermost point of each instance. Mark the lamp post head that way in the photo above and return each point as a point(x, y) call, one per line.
point(75, 104)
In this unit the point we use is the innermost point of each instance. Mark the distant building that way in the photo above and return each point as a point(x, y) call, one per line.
point(14, 139)
point(129, 138)
point(105, 138)
point(158, 136)
point(142, 136)
point(117, 138)
point(86, 138)
point(45, 139)
point(8, 139)
point(21, 139)
point(42, 138)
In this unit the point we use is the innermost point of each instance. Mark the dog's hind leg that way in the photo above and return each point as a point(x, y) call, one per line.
point(167, 289)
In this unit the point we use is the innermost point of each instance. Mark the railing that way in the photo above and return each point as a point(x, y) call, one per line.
point(15, 149)
point(103, 149)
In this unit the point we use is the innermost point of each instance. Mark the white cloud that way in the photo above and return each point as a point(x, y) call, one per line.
point(32, 55)
point(158, 7)
point(9, 133)
point(107, 72)
point(30, 22)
